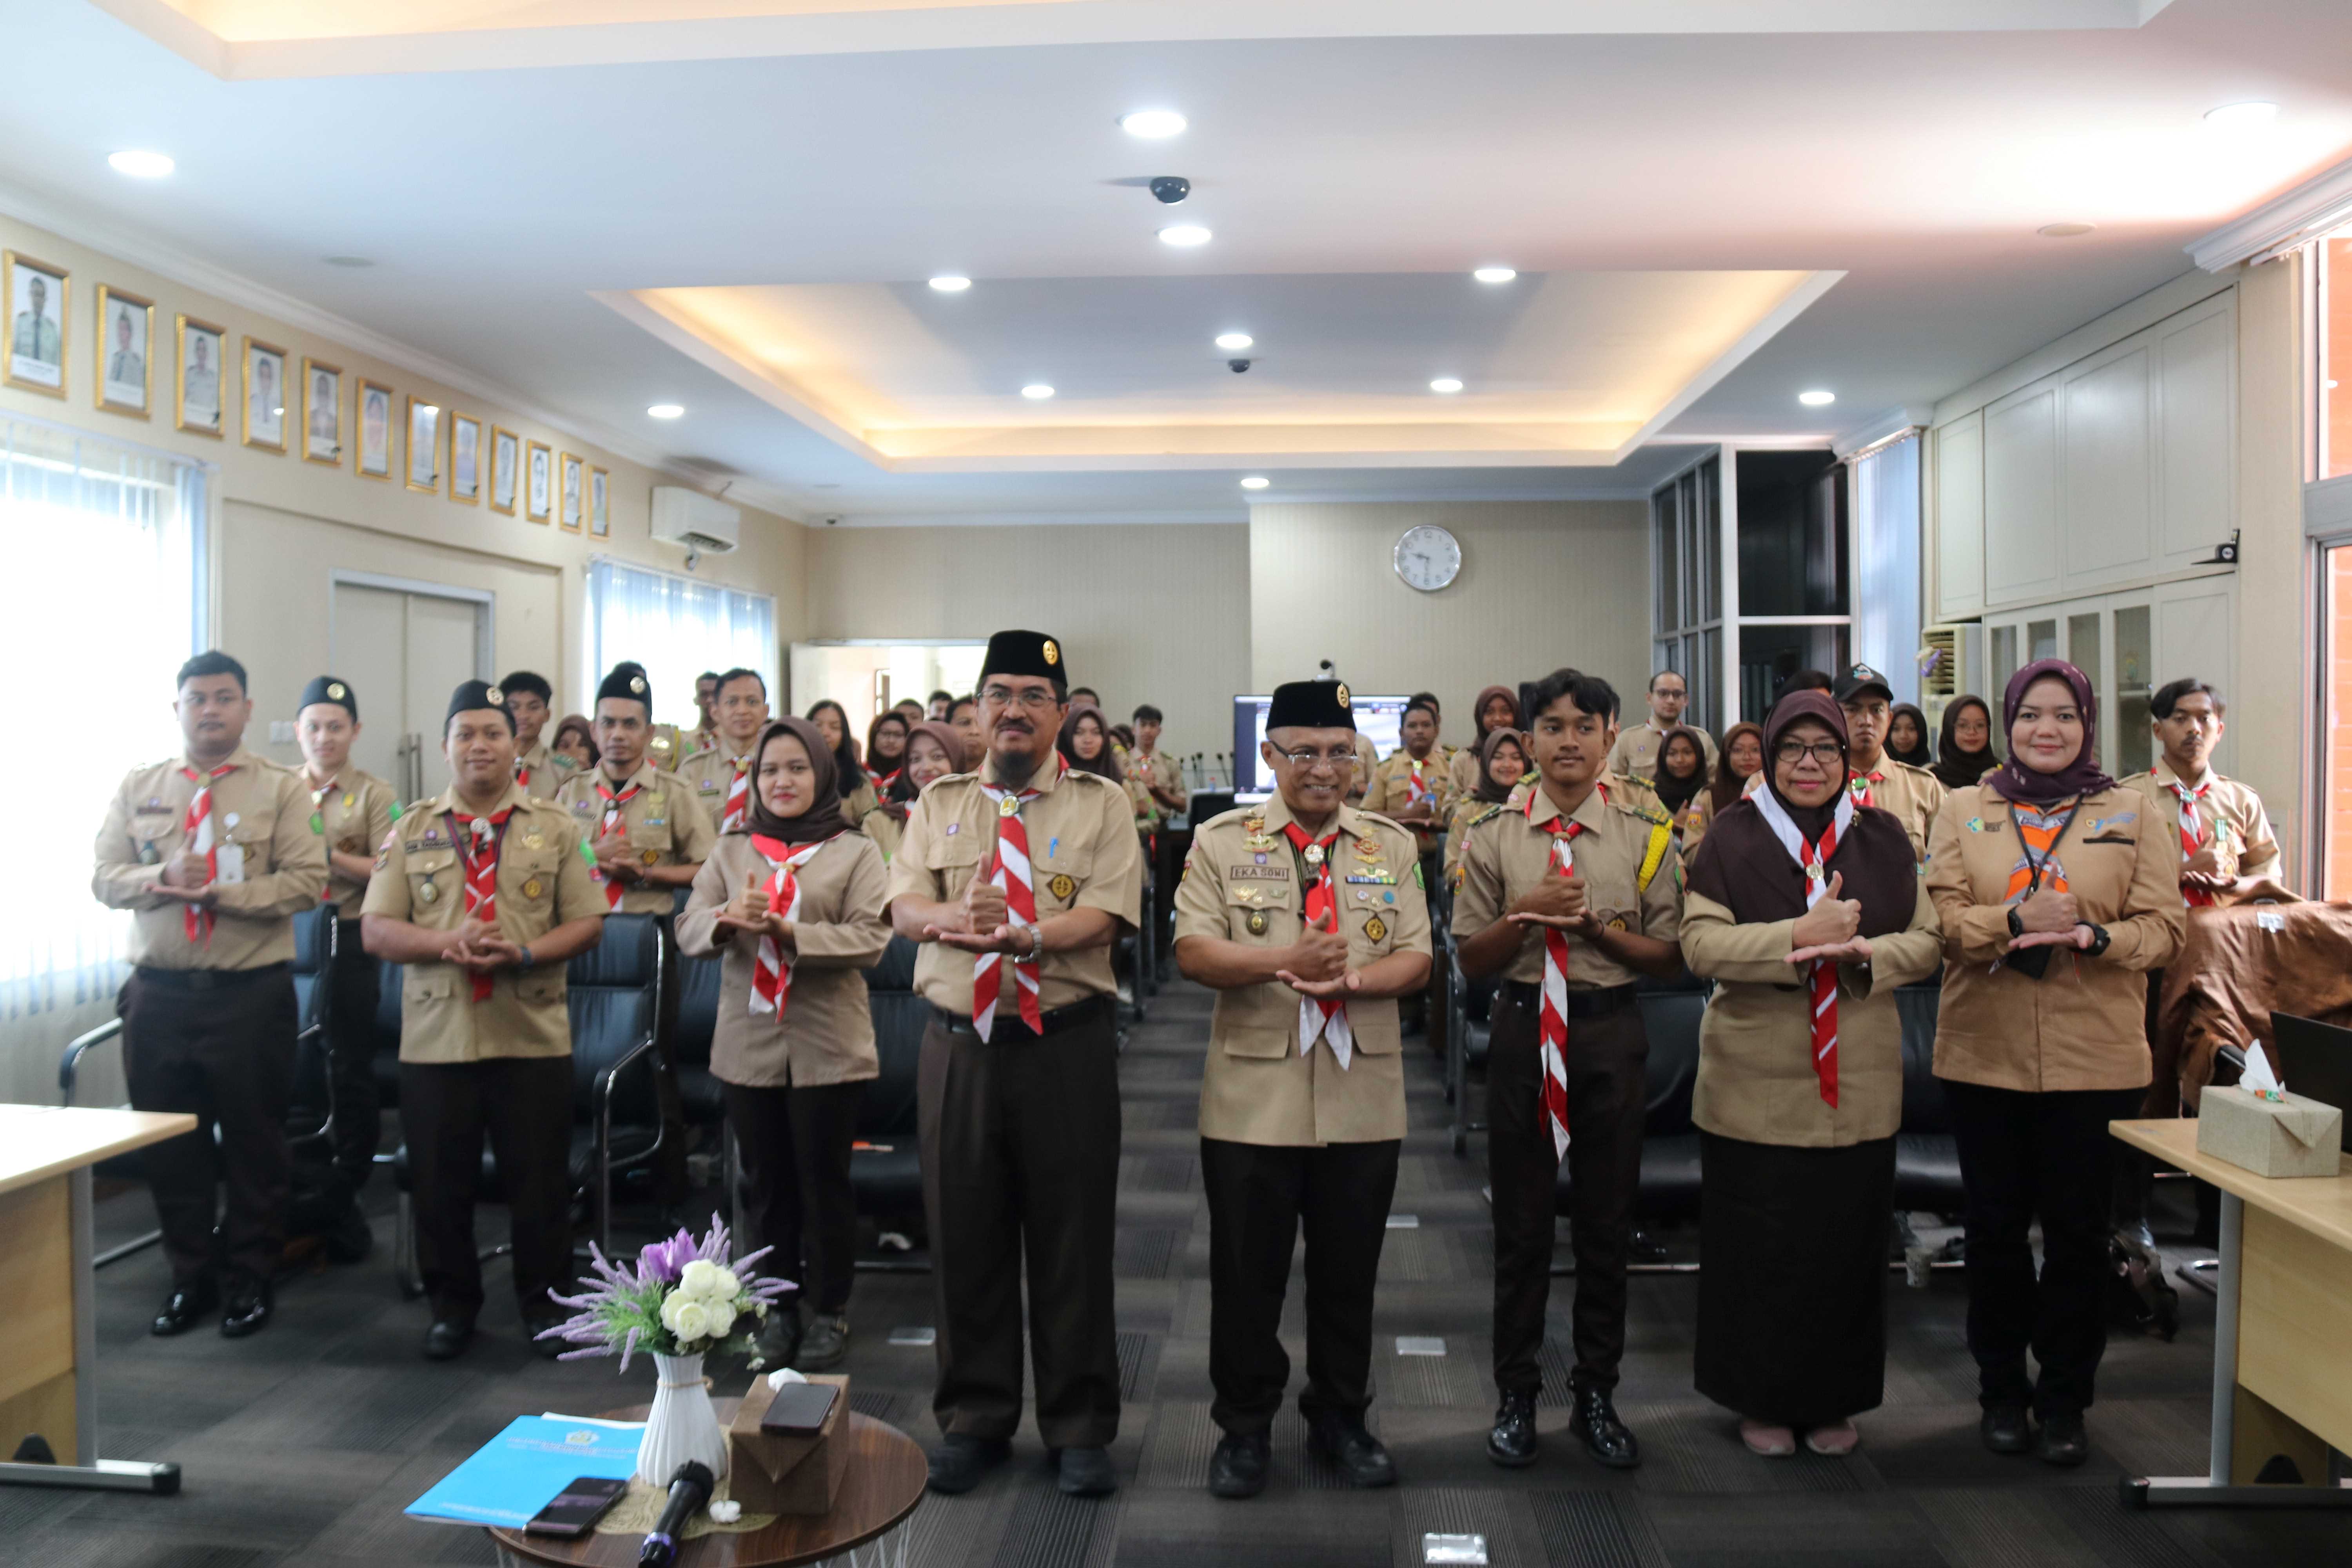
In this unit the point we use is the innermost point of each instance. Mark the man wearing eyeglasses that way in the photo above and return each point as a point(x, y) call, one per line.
point(1913, 794)
point(1018, 879)
point(1309, 919)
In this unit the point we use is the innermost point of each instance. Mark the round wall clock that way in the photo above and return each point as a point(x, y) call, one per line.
point(1428, 557)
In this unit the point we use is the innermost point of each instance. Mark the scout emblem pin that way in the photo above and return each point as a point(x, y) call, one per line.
point(1375, 928)
point(429, 893)
point(1314, 854)
point(1008, 806)
point(1257, 923)
point(1062, 886)
point(530, 889)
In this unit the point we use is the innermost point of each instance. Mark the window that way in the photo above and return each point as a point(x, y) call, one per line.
point(2336, 736)
point(2331, 316)
point(1795, 571)
point(68, 502)
point(1686, 619)
point(1886, 563)
point(677, 628)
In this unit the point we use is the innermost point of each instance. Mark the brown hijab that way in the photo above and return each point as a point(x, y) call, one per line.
point(1492, 741)
point(1729, 786)
point(1478, 712)
point(823, 819)
point(901, 793)
point(1742, 864)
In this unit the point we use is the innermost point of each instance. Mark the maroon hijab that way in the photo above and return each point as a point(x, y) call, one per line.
point(2014, 781)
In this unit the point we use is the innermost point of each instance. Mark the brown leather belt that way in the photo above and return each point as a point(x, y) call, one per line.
point(1093, 1009)
point(1599, 1002)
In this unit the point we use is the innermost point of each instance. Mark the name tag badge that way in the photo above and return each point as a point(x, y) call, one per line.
point(231, 857)
point(1257, 873)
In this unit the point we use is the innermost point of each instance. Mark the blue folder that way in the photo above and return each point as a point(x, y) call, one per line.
point(522, 1469)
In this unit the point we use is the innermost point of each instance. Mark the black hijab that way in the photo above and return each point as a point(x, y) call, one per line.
point(1487, 789)
point(1675, 793)
point(1956, 766)
point(1066, 743)
point(823, 819)
point(1918, 756)
point(848, 771)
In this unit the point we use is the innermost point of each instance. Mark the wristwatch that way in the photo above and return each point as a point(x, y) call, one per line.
point(2099, 940)
point(2016, 926)
point(526, 960)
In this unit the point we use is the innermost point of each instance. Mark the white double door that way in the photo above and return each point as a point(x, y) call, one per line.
point(403, 646)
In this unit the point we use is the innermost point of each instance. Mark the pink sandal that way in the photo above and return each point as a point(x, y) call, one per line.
point(1766, 1441)
point(1834, 1442)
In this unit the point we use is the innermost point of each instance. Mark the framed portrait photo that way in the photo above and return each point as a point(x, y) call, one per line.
point(424, 445)
point(600, 497)
point(465, 459)
point(322, 413)
point(126, 365)
point(539, 481)
point(35, 293)
point(198, 389)
point(265, 396)
point(506, 468)
point(371, 411)
point(575, 493)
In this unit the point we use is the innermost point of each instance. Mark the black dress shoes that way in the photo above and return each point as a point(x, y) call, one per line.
point(958, 1462)
point(185, 1308)
point(1237, 1469)
point(1087, 1473)
point(446, 1339)
point(1606, 1438)
point(779, 1340)
point(1512, 1444)
point(246, 1311)
point(552, 1347)
point(2005, 1429)
point(1343, 1441)
point(2060, 1439)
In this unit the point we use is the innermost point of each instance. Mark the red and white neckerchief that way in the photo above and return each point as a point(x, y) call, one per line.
point(2193, 833)
point(739, 797)
point(771, 977)
point(205, 840)
point(1009, 870)
point(1823, 981)
point(1552, 1021)
point(477, 852)
point(318, 826)
point(1420, 782)
point(613, 803)
point(522, 772)
point(1321, 1017)
point(1859, 786)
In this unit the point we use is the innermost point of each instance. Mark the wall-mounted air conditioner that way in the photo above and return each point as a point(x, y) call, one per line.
point(686, 517)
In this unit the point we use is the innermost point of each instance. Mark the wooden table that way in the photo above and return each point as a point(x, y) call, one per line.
point(48, 1288)
point(883, 1486)
point(2282, 1330)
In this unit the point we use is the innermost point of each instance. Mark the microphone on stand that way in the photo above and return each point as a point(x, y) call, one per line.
point(689, 1490)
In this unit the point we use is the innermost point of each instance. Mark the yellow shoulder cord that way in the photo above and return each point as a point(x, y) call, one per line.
point(1661, 834)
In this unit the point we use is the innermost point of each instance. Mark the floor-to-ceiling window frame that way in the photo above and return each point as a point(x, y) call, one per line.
point(1688, 584)
point(2327, 532)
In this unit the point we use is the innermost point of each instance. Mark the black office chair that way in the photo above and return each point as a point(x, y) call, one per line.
point(1926, 1155)
point(886, 1169)
point(1669, 1187)
point(700, 1097)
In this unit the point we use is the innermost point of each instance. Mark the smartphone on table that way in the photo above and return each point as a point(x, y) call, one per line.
point(799, 1409)
point(574, 1510)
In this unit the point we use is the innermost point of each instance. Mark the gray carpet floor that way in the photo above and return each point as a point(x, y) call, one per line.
point(302, 1444)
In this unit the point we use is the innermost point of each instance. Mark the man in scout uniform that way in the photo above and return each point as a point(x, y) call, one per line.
point(1309, 919)
point(1913, 794)
point(719, 777)
point(706, 730)
point(1154, 769)
point(532, 700)
point(1018, 879)
point(1635, 755)
point(1569, 898)
point(350, 811)
point(212, 853)
point(648, 836)
point(2227, 848)
point(1414, 787)
point(484, 893)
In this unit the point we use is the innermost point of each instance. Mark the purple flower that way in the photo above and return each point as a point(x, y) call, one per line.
point(665, 1260)
point(618, 1310)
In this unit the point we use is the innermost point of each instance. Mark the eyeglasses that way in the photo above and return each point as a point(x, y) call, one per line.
point(1302, 758)
point(1825, 752)
point(1037, 699)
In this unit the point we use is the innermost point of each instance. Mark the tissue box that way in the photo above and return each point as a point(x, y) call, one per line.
point(2290, 1137)
point(768, 1474)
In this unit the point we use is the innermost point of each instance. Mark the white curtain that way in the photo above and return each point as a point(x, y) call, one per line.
point(105, 547)
point(676, 627)
point(1887, 586)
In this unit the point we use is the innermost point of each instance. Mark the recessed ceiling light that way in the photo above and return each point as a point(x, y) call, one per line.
point(1153, 124)
point(1235, 340)
point(666, 410)
point(1445, 383)
point(2232, 116)
point(1256, 482)
point(1817, 397)
point(1494, 275)
point(2065, 230)
point(1036, 391)
point(949, 283)
point(1184, 234)
point(140, 165)
point(347, 261)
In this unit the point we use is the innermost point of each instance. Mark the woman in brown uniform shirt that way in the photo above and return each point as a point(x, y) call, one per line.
point(793, 901)
point(933, 750)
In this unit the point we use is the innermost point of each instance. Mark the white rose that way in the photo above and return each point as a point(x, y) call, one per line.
point(697, 1279)
point(685, 1317)
point(721, 1317)
point(728, 1286)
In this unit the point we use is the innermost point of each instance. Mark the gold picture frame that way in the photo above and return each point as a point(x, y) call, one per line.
point(264, 384)
point(599, 503)
point(191, 337)
point(464, 458)
point(426, 418)
point(572, 493)
point(25, 300)
point(537, 481)
point(372, 460)
point(322, 439)
point(505, 469)
point(130, 313)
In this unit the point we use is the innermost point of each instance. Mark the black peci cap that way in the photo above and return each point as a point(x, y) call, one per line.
point(1858, 679)
point(327, 689)
point(473, 696)
point(1310, 705)
point(1024, 653)
point(628, 681)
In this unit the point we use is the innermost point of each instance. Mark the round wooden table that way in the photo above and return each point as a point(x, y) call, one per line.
point(884, 1484)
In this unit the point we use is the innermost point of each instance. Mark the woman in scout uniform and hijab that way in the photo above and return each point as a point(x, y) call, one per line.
point(1807, 912)
point(2059, 889)
point(1500, 762)
point(933, 750)
point(792, 901)
point(1497, 708)
point(885, 747)
point(1681, 783)
point(849, 769)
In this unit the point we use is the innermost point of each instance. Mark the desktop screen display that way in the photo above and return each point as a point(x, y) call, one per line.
point(1382, 717)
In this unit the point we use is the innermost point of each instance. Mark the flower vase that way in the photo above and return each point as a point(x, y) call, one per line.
point(681, 1426)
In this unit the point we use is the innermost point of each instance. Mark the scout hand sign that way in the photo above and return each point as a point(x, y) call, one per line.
point(1317, 961)
point(2051, 920)
point(1558, 901)
point(614, 855)
point(477, 944)
point(1830, 930)
point(981, 920)
point(747, 911)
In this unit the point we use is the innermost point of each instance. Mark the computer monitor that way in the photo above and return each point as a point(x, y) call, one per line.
point(1382, 717)
point(2313, 1059)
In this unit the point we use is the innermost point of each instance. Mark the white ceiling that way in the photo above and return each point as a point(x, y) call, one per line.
point(499, 203)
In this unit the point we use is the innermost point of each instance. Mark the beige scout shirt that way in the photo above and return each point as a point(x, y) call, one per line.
point(710, 776)
point(1756, 1077)
point(1392, 791)
point(352, 814)
point(1636, 750)
point(1507, 854)
point(2084, 1024)
point(663, 824)
point(2231, 814)
point(1083, 853)
point(1912, 795)
point(826, 1034)
point(536, 770)
point(1144, 771)
point(546, 879)
point(1244, 882)
point(884, 830)
point(1367, 758)
point(260, 810)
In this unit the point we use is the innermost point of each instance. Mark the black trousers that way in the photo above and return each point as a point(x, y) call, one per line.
point(524, 1104)
point(227, 1054)
point(2027, 1156)
point(1019, 1150)
point(1607, 1095)
point(794, 1145)
point(350, 1057)
point(1259, 1197)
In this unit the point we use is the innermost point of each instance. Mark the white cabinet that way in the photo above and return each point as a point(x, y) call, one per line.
point(2196, 377)
point(2107, 448)
point(1960, 518)
point(2022, 559)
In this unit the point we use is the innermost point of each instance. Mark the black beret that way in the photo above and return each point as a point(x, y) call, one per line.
point(327, 689)
point(1862, 678)
point(524, 680)
point(471, 697)
point(1311, 705)
point(1024, 653)
point(628, 681)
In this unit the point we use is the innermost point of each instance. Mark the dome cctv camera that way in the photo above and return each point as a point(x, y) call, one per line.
point(1172, 188)
point(1237, 365)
